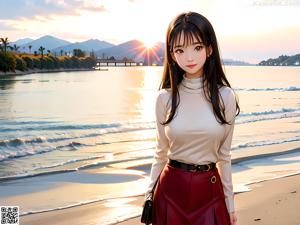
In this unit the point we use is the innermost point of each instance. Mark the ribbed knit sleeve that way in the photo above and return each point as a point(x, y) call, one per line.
point(162, 143)
point(224, 159)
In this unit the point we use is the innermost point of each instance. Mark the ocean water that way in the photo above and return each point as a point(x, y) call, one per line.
point(60, 124)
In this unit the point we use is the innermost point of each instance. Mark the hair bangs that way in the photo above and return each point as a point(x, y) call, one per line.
point(190, 35)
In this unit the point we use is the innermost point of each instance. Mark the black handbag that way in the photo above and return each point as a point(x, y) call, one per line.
point(148, 207)
point(147, 211)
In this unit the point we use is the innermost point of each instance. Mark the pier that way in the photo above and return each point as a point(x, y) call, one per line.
point(115, 62)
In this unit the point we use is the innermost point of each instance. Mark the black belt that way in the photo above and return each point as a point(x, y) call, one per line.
point(192, 167)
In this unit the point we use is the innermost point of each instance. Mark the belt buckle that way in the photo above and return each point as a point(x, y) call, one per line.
point(195, 168)
point(209, 167)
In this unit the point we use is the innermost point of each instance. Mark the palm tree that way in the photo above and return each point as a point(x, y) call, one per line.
point(48, 52)
point(61, 52)
point(15, 48)
point(41, 49)
point(30, 46)
point(5, 44)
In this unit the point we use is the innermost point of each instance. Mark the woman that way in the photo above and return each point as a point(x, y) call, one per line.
point(195, 115)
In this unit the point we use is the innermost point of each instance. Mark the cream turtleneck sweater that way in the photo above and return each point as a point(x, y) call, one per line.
point(194, 135)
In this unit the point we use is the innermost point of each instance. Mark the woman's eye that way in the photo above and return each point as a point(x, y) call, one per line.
point(178, 51)
point(198, 48)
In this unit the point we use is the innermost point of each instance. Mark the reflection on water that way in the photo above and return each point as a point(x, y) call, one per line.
point(7, 83)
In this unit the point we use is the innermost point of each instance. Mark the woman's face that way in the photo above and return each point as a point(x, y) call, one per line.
point(190, 58)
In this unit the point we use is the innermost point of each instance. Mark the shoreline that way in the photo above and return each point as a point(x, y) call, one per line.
point(20, 73)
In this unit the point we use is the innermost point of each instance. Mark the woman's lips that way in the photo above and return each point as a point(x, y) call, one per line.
point(191, 65)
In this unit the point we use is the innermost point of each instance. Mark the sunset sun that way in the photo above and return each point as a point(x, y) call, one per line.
point(149, 43)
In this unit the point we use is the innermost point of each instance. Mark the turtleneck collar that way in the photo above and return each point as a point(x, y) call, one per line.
point(192, 85)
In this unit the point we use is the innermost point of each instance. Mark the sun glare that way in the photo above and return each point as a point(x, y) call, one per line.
point(149, 44)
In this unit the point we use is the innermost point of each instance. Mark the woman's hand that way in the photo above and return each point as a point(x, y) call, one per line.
point(233, 218)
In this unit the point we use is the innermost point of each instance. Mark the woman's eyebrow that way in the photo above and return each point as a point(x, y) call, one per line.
point(195, 43)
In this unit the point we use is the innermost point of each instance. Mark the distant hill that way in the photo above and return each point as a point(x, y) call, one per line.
point(127, 49)
point(282, 60)
point(135, 50)
point(235, 62)
point(48, 42)
point(22, 41)
point(88, 46)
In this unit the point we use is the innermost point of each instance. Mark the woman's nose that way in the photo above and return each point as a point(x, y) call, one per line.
point(189, 56)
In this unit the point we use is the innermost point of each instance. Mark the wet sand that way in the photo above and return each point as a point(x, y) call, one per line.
point(273, 202)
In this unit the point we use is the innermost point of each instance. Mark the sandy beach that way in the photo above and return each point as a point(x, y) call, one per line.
point(273, 202)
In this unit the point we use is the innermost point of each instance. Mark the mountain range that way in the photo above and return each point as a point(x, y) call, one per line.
point(133, 49)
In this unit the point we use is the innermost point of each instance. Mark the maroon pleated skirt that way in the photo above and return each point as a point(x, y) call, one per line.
point(189, 198)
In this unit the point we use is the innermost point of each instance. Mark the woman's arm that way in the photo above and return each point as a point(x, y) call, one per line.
point(224, 160)
point(162, 144)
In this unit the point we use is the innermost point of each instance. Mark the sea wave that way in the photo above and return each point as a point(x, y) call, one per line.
point(22, 141)
point(290, 88)
point(265, 143)
point(267, 115)
point(72, 141)
point(271, 111)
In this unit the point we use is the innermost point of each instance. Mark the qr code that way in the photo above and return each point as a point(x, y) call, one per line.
point(9, 215)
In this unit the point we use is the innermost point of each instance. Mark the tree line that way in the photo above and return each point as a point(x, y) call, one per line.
point(11, 59)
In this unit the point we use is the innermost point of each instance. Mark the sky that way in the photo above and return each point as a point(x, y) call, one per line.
point(247, 30)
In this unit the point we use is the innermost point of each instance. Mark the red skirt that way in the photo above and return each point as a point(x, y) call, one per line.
point(189, 198)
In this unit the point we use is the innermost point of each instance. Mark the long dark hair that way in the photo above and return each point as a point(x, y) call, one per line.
point(194, 24)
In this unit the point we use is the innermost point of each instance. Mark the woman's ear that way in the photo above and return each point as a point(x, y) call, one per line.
point(209, 51)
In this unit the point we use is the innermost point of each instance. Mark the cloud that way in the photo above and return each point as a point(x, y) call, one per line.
point(94, 8)
point(16, 9)
point(6, 27)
